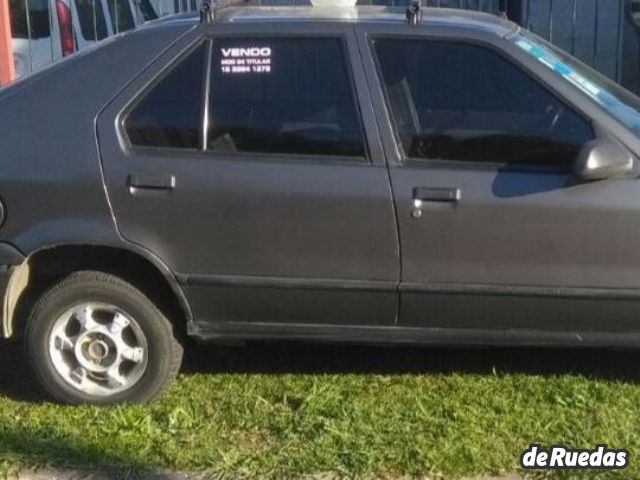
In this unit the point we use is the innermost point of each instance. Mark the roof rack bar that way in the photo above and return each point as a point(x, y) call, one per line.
point(414, 12)
point(210, 9)
point(206, 13)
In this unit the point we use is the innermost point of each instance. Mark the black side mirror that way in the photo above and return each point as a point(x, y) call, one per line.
point(601, 159)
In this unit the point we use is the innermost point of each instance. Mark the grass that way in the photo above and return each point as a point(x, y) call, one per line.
point(288, 410)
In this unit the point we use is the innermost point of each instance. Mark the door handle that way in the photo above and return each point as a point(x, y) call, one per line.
point(444, 195)
point(151, 182)
point(422, 195)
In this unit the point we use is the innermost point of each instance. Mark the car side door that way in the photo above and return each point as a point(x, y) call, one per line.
point(248, 159)
point(496, 233)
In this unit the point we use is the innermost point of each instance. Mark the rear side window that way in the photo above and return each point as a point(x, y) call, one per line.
point(121, 15)
point(170, 114)
point(38, 25)
point(92, 19)
point(283, 96)
point(458, 101)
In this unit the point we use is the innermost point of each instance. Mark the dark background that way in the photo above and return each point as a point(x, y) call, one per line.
point(602, 33)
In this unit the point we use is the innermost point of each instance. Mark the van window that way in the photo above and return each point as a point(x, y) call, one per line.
point(283, 96)
point(39, 19)
point(170, 114)
point(146, 9)
point(92, 19)
point(121, 15)
point(184, 5)
point(458, 101)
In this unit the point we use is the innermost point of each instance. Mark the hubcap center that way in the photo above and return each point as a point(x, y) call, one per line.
point(98, 350)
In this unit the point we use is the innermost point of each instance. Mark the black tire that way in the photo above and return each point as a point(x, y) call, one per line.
point(164, 352)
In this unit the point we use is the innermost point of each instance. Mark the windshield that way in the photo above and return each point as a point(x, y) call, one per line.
point(620, 103)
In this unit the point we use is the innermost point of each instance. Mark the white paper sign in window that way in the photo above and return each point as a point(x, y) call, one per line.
point(245, 60)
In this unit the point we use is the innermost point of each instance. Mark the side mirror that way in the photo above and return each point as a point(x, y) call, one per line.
point(601, 159)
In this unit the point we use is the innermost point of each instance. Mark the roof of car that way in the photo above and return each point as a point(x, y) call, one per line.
point(360, 14)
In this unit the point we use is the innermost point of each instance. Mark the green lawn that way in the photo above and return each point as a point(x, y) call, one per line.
point(285, 410)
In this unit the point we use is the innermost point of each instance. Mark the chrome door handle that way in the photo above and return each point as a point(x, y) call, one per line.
point(428, 194)
point(422, 195)
point(151, 182)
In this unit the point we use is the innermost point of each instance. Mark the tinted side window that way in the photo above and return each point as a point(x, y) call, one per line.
point(283, 96)
point(92, 19)
point(38, 18)
point(464, 102)
point(170, 114)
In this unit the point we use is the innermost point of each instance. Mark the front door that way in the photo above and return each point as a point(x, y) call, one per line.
point(271, 203)
point(496, 233)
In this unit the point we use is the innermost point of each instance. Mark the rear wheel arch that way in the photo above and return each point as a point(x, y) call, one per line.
point(46, 266)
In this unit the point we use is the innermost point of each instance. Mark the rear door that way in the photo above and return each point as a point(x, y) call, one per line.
point(279, 210)
point(496, 233)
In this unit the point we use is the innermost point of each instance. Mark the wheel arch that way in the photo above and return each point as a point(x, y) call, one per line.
point(44, 266)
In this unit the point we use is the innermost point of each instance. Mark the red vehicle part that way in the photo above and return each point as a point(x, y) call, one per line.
point(66, 28)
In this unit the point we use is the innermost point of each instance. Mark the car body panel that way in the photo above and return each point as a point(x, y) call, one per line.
point(52, 184)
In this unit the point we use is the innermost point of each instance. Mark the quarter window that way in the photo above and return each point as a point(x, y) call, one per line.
point(458, 101)
point(170, 115)
point(283, 96)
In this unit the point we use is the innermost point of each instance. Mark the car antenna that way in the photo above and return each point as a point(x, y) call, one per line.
point(414, 12)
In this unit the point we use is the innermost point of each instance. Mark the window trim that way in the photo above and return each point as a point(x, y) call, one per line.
point(206, 96)
point(405, 160)
point(202, 151)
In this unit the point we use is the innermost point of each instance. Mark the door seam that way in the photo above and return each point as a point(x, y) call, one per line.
point(368, 82)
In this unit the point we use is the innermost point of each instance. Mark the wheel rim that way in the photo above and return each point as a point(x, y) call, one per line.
point(98, 349)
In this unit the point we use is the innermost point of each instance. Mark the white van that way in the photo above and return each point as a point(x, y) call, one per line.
point(95, 20)
point(47, 30)
point(33, 32)
point(170, 7)
point(144, 11)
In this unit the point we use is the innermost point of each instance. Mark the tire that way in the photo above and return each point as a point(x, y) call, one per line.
point(95, 339)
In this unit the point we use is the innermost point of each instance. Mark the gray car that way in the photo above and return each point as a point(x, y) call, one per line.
point(355, 175)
